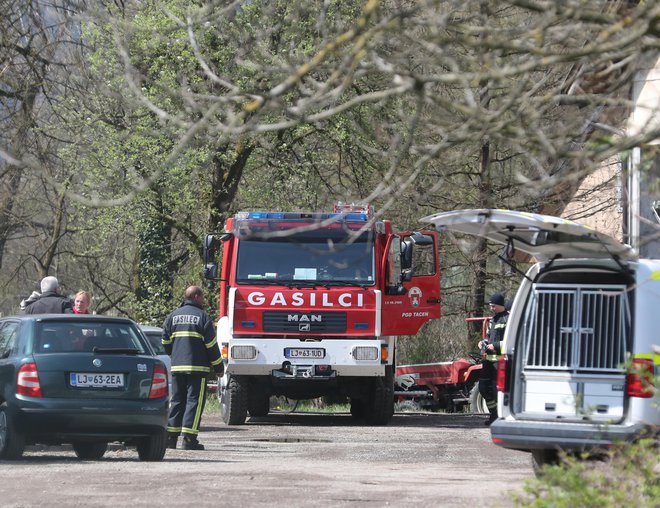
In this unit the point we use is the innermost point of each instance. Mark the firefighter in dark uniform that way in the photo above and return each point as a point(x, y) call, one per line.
point(189, 338)
point(490, 351)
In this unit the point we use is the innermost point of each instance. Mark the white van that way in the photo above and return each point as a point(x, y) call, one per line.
point(579, 345)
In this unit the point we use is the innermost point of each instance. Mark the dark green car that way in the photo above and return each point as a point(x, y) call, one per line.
point(80, 379)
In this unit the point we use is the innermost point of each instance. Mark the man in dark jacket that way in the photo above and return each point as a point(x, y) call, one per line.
point(189, 339)
point(491, 349)
point(51, 300)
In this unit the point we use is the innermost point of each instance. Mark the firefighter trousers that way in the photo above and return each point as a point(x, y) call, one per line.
point(187, 404)
point(488, 385)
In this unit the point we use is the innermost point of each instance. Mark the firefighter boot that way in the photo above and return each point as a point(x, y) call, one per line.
point(171, 441)
point(191, 443)
point(492, 417)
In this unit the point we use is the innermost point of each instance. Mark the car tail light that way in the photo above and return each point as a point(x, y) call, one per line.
point(159, 383)
point(501, 374)
point(639, 381)
point(27, 381)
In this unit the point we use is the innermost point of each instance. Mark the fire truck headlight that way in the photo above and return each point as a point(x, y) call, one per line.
point(243, 352)
point(365, 353)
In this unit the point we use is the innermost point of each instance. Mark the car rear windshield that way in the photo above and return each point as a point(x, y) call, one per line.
point(84, 336)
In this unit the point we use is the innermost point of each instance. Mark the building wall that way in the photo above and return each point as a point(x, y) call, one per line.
point(622, 198)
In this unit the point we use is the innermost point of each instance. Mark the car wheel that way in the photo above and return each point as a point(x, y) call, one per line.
point(12, 442)
point(234, 400)
point(477, 401)
point(541, 458)
point(152, 448)
point(86, 450)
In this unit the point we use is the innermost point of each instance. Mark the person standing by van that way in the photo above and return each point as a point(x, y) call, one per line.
point(491, 348)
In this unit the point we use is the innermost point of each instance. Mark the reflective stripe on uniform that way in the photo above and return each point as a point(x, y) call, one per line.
point(492, 358)
point(189, 368)
point(198, 413)
point(187, 335)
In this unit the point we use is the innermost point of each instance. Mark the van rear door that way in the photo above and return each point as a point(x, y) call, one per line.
point(543, 236)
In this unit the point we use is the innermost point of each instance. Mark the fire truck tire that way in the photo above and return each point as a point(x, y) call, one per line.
point(380, 409)
point(234, 400)
point(477, 402)
point(357, 409)
point(258, 403)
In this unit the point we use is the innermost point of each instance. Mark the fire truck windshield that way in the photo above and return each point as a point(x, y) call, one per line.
point(328, 257)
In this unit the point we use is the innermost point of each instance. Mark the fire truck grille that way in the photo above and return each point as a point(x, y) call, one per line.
point(302, 322)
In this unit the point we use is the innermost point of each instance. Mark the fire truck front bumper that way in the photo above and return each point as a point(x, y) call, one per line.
point(319, 359)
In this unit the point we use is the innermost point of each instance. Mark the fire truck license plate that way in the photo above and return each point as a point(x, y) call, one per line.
point(301, 352)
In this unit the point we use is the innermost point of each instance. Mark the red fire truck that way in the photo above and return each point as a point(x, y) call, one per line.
point(311, 305)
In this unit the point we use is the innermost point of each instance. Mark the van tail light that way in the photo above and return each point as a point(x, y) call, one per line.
point(159, 382)
point(502, 374)
point(27, 381)
point(639, 382)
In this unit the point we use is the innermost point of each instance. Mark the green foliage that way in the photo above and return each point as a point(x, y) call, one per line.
point(627, 476)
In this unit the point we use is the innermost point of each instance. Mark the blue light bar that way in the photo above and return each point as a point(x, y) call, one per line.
point(265, 215)
point(300, 216)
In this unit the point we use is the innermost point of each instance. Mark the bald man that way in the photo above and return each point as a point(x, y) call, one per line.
point(189, 339)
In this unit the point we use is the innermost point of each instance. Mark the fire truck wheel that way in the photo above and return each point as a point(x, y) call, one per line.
point(357, 409)
point(234, 400)
point(258, 403)
point(477, 402)
point(381, 407)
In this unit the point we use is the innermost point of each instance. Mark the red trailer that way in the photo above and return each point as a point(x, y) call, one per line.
point(445, 385)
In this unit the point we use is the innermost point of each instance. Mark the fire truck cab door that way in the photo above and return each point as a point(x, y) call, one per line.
point(412, 287)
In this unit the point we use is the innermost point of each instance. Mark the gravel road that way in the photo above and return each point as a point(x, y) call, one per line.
point(296, 460)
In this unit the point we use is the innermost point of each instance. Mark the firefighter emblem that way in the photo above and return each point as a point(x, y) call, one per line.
point(415, 295)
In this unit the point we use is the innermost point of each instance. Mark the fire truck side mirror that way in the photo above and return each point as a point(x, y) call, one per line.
point(210, 249)
point(395, 290)
point(406, 254)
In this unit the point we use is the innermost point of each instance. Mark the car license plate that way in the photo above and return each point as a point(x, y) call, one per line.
point(92, 380)
point(304, 352)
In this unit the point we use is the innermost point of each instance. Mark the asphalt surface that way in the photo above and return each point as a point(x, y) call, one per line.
point(287, 459)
